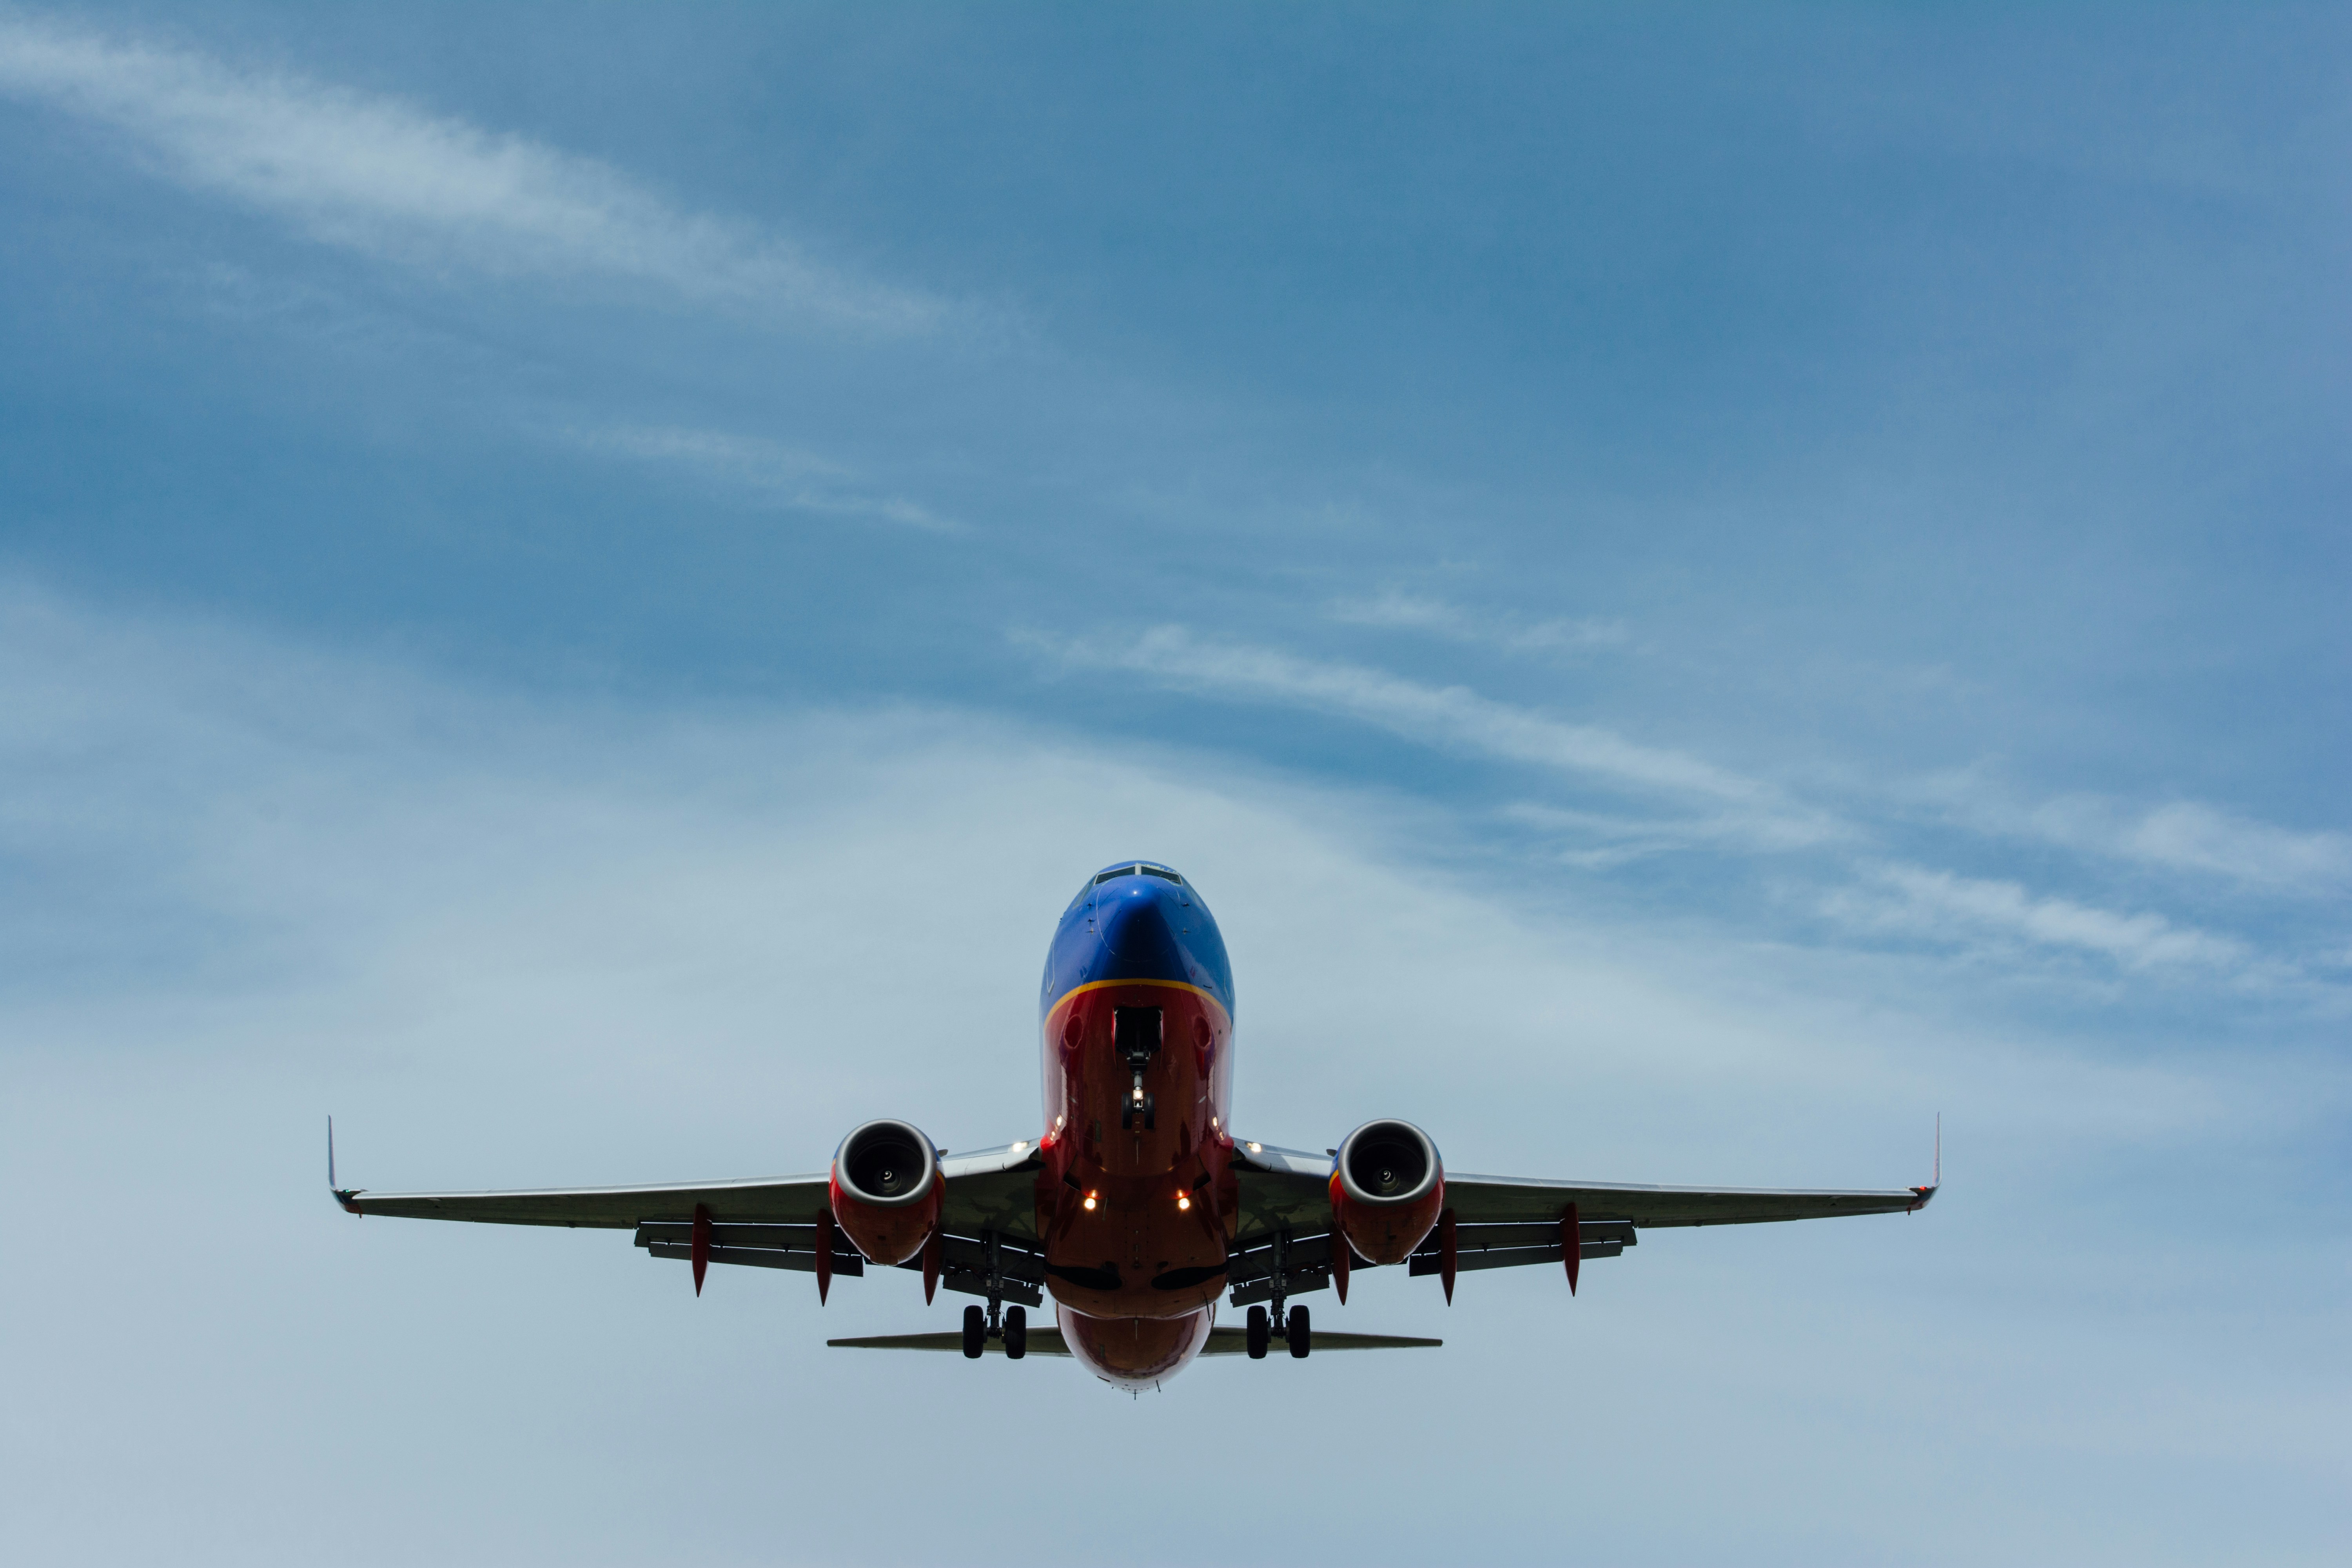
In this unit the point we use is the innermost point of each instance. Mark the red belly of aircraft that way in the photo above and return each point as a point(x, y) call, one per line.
point(1136, 1204)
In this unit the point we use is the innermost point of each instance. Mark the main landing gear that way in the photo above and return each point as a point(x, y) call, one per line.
point(1295, 1333)
point(1262, 1327)
point(979, 1328)
point(1013, 1331)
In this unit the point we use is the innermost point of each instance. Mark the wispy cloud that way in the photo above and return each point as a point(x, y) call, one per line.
point(775, 474)
point(1599, 840)
point(1398, 611)
point(1682, 803)
point(393, 179)
point(2178, 835)
point(1450, 716)
point(1967, 910)
point(2190, 836)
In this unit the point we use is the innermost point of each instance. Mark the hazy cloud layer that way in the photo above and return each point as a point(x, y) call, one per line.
point(397, 182)
point(515, 944)
point(1673, 665)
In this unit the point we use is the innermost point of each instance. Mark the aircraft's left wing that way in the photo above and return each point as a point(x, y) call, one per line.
point(1500, 1222)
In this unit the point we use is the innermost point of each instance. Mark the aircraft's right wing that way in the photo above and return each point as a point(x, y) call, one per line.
point(987, 1217)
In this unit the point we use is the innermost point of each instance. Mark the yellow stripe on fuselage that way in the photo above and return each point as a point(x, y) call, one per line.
point(1076, 991)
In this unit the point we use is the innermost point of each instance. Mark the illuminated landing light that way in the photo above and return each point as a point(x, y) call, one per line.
point(1021, 1147)
point(1257, 1148)
point(1090, 1203)
point(1183, 1201)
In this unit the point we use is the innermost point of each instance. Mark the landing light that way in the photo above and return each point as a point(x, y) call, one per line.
point(1257, 1148)
point(1090, 1203)
point(1183, 1201)
point(1021, 1147)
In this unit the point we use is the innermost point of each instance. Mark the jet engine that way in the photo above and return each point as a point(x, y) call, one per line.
point(1387, 1187)
point(885, 1190)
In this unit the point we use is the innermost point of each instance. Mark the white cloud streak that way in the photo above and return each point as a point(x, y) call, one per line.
point(396, 181)
point(1396, 611)
point(2186, 836)
point(1453, 717)
point(2180, 835)
point(1964, 910)
point(773, 473)
point(1743, 814)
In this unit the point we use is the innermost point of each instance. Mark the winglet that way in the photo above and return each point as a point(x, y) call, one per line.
point(1935, 1182)
point(342, 1195)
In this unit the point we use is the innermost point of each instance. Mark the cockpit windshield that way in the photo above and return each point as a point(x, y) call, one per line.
point(1162, 872)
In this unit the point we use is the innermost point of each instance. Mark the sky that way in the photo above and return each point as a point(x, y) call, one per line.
point(1699, 588)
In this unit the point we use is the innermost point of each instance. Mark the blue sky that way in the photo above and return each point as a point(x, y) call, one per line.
point(1697, 586)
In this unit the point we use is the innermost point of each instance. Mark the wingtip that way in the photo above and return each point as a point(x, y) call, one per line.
point(343, 1196)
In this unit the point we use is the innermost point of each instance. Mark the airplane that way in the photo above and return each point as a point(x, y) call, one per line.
point(1136, 1208)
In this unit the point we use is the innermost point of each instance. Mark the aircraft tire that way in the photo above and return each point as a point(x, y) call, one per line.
point(975, 1332)
point(1016, 1333)
point(1298, 1336)
point(1257, 1334)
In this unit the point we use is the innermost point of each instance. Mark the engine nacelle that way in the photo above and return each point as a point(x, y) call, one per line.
point(886, 1189)
point(1387, 1188)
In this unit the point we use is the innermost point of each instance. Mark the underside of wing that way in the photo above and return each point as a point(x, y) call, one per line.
point(987, 1220)
point(768, 1201)
point(1284, 1245)
point(1497, 1199)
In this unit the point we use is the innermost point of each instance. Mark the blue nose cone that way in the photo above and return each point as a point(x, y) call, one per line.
point(1140, 924)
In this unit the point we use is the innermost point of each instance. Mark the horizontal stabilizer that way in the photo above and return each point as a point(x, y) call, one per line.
point(1042, 1341)
point(1048, 1341)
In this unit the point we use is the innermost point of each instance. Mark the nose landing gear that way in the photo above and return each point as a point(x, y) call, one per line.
point(1135, 1035)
